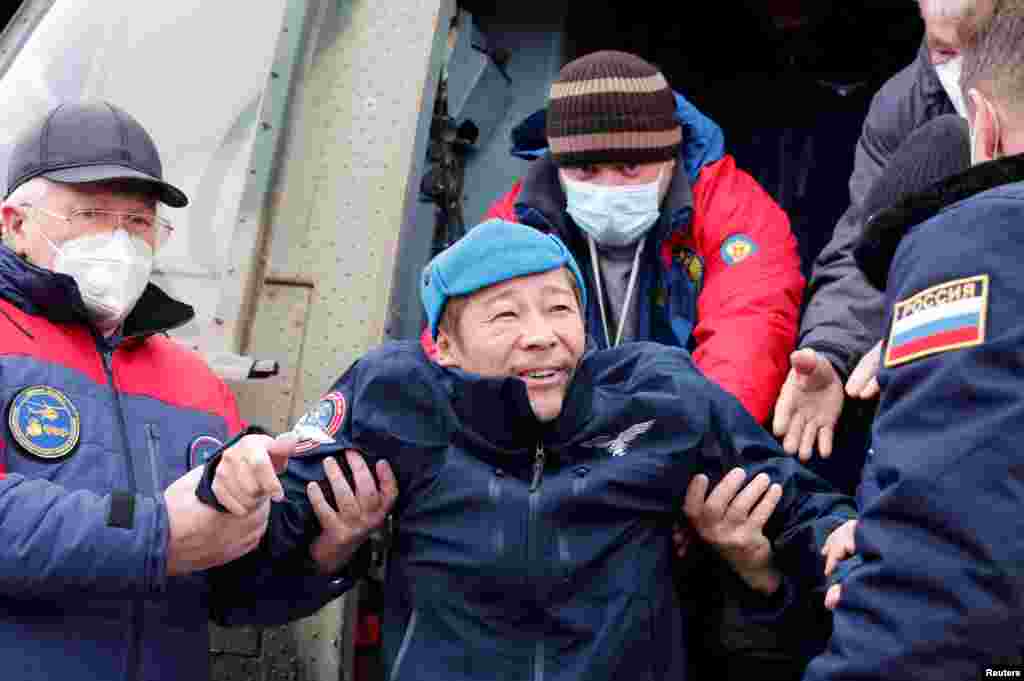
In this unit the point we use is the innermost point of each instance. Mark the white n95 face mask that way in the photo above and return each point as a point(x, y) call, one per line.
point(111, 271)
point(613, 215)
point(949, 76)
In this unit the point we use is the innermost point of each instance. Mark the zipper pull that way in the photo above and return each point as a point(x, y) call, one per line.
point(538, 468)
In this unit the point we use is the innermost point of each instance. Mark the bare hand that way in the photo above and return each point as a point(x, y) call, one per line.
point(247, 473)
point(200, 536)
point(809, 405)
point(839, 546)
point(863, 382)
point(733, 522)
point(358, 514)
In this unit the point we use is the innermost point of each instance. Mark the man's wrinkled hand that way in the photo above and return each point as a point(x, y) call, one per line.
point(200, 536)
point(839, 546)
point(863, 382)
point(246, 476)
point(359, 513)
point(732, 518)
point(809, 405)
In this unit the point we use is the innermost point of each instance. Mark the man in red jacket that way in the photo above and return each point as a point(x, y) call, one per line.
point(678, 245)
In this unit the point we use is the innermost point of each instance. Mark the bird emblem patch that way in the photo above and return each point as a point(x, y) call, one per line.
point(44, 422)
point(619, 445)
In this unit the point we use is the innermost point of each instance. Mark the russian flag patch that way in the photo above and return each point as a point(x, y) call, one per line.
point(944, 317)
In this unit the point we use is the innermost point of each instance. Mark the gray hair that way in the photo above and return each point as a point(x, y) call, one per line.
point(994, 54)
point(30, 193)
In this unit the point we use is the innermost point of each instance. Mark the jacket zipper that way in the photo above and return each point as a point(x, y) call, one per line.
point(153, 445)
point(134, 659)
point(410, 629)
point(539, 458)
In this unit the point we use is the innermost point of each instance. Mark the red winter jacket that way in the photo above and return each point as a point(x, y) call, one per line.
point(724, 280)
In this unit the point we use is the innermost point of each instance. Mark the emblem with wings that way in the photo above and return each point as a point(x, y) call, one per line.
point(619, 445)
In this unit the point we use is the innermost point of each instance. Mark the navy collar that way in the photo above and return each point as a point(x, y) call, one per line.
point(55, 297)
point(882, 234)
point(496, 417)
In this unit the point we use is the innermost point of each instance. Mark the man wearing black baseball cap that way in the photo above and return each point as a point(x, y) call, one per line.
point(103, 543)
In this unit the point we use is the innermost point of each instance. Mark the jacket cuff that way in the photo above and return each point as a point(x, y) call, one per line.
point(761, 608)
point(842, 360)
point(843, 568)
point(205, 489)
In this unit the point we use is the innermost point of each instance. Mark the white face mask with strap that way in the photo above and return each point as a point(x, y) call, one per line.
point(613, 215)
point(949, 75)
point(111, 270)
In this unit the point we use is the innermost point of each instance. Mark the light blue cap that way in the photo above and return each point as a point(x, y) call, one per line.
point(490, 253)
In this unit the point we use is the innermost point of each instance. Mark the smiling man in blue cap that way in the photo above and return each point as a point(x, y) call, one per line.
point(539, 480)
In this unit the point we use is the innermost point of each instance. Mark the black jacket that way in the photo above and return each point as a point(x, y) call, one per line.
point(844, 314)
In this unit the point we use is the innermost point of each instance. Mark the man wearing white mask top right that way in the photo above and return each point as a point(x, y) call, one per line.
point(842, 323)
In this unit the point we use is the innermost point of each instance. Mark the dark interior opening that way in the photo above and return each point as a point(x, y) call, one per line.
point(789, 81)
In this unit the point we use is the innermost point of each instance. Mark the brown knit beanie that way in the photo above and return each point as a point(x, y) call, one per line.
point(611, 107)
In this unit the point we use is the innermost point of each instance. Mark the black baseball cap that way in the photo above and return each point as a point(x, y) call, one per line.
point(89, 141)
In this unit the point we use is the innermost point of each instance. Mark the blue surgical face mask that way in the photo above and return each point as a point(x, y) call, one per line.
point(613, 215)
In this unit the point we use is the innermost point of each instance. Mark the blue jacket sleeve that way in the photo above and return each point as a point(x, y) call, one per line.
point(380, 407)
point(53, 541)
point(940, 591)
point(809, 508)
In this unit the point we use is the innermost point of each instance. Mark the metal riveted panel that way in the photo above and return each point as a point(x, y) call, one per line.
point(350, 156)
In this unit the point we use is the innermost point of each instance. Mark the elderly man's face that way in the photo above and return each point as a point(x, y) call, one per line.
point(27, 227)
point(530, 327)
point(941, 38)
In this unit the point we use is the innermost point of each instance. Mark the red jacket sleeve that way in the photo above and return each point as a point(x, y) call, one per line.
point(749, 307)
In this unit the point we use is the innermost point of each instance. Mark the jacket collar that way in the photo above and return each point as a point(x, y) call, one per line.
point(927, 77)
point(55, 297)
point(497, 420)
point(541, 203)
point(882, 234)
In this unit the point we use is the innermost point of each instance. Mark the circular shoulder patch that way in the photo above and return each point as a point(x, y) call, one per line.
point(738, 248)
point(44, 422)
point(324, 420)
point(201, 448)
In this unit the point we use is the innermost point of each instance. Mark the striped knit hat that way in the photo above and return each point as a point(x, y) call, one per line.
point(611, 107)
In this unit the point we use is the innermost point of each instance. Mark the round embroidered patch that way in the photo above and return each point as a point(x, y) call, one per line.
point(738, 248)
point(201, 448)
point(320, 423)
point(44, 422)
point(693, 265)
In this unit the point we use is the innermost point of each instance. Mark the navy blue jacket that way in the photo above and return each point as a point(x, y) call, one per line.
point(94, 431)
point(530, 551)
point(940, 591)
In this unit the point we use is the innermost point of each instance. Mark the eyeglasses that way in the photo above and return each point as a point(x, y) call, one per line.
point(153, 229)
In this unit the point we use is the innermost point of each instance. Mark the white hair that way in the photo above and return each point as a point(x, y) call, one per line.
point(946, 9)
point(30, 193)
